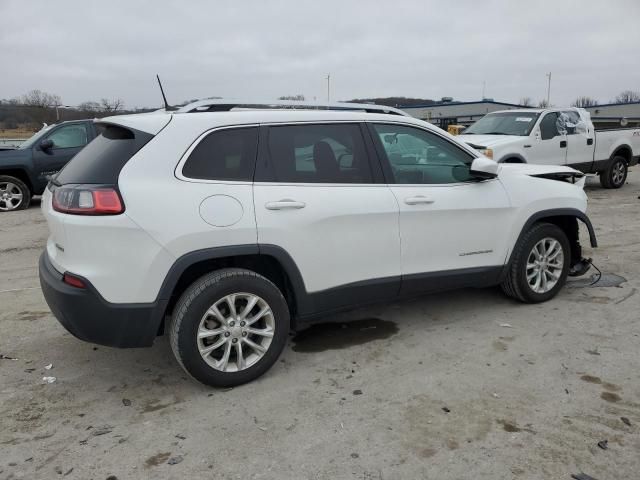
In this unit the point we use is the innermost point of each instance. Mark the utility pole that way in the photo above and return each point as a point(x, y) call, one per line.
point(484, 85)
point(328, 87)
point(549, 90)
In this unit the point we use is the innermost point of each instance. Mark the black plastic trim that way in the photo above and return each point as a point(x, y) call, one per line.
point(89, 317)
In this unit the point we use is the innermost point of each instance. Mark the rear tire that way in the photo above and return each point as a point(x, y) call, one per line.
point(229, 327)
point(14, 194)
point(616, 173)
point(540, 264)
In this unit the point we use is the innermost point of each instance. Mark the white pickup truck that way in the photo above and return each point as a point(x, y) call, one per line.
point(563, 136)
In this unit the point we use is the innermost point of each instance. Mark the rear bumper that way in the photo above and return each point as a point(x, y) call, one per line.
point(89, 317)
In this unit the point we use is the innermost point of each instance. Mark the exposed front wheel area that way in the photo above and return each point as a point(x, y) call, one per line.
point(14, 194)
point(539, 265)
point(544, 265)
point(229, 327)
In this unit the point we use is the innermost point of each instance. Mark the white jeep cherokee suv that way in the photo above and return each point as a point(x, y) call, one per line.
point(226, 225)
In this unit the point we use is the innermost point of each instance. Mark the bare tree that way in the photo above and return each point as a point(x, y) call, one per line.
point(109, 106)
point(298, 97)
point(38, 98)
point(584, 102)
point(526, 102)
point(543, 104)
point(628, 96)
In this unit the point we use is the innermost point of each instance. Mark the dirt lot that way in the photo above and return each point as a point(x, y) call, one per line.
point(434, 388)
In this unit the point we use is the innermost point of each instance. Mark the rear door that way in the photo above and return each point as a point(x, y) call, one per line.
point(319, 196)
point(550, 146)
point(452, 227)
point(68, 139)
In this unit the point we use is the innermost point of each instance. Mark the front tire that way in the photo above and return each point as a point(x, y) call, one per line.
point(540, 264)
point(14, 194)
point(229, 327)
point(616, 173)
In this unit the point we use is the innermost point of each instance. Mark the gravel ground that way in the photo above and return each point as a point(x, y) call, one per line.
point(431, 388)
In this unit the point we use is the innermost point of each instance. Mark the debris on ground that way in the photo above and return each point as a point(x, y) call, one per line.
point(48, 367)
point(357, 392)
point(593, 352)
point(495, 395)
point(68, 472)
point(603, 444)
point(126, 402)
point(446, 409)
point(582, 476)
point(181, 437)
point(49, 379)
point(354, 455)
point(506, 325)
point(6, 357)
point(626, 421)
point(102, 430)
point(175, 460)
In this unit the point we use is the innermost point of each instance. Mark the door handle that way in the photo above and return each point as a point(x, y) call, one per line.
point(285, 204)
point(563, 144)
point(418, 200)
point(589, 141)
point(527, 146)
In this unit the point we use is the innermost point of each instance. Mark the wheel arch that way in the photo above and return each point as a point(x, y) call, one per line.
point(19, 173)
point(564, 218)
point(513, 158)
point(623, 151)
point(270, 261)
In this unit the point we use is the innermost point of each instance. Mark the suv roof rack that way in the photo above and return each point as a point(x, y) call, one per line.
point(221, 105)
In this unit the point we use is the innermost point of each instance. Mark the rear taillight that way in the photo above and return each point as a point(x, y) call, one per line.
point(87, 200)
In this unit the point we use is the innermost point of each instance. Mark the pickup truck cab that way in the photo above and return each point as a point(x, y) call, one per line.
point(556, 136)
point(24, 171)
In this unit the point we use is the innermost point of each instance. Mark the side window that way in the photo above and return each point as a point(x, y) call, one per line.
point(570, 123)
point(69, 136)
point(319, 154)
point(228, 154)
point(420, 157)
point(548, 126)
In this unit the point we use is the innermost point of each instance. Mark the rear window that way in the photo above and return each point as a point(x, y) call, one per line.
point(228, 154)
point(102, 160)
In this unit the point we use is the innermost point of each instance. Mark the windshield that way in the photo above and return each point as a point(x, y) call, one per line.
point(504, 123)
point(33, 140)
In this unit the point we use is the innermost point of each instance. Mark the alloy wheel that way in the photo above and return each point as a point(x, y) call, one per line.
point(235, 332)
point(544, 265)
point(10, 196)
point(618, 174)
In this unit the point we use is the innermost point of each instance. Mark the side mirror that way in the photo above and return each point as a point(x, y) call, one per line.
point(484, 169)
point(46, 145)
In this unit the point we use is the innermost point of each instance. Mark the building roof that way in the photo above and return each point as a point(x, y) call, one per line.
point(453, 104)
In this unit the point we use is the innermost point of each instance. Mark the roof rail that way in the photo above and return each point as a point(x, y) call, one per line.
point(220, 105)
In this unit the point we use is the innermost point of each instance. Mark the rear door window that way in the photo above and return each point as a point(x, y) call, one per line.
point(319, 153)
point(228, 154)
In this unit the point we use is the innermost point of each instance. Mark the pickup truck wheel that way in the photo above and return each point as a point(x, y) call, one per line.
point(229, 327)
point(616, 174)
point(14, 194)
point(540, 264)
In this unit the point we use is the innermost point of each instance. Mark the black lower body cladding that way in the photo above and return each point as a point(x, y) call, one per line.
point(89, 317)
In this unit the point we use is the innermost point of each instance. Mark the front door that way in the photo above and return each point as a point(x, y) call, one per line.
point(452, 227)
point(550, 145)
point(316, 196)
point(579, 139)
point(68, 139)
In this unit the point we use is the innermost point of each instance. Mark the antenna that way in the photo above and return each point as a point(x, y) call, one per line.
point(167, 107)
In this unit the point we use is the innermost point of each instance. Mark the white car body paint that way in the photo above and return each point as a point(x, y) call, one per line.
point(337, 234)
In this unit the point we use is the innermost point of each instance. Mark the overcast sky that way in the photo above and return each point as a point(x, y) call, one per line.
point(84, 50)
